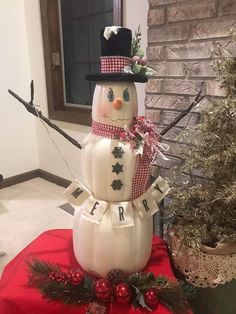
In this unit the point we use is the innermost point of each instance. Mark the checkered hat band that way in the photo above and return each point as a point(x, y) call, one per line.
point(114, 64)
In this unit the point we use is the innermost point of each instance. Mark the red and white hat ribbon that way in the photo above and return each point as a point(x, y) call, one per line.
point(115, 64)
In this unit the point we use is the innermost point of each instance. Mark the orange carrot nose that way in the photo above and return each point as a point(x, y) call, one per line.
point(117, 103)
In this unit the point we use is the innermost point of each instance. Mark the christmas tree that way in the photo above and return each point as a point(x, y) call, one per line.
point(205, 213)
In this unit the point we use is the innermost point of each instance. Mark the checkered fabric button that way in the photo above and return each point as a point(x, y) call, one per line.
point(114, 64)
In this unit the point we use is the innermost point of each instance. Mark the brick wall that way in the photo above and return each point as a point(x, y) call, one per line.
point(181, 39)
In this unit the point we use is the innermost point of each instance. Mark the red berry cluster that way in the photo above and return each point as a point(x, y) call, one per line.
point(122, 293)
point(104, 291)
point(139, 60)
point(74, 278)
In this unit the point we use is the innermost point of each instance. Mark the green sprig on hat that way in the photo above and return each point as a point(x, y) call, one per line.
point(139, 61)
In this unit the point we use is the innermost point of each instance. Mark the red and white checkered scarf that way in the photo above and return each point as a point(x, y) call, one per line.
point(105, 130)
point(141, 179)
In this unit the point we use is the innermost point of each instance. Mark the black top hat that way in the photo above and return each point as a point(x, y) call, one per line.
point(115, 56)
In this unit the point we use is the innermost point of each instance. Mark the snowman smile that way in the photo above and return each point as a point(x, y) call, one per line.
point(115, 120)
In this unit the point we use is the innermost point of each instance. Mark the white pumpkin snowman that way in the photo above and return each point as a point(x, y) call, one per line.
point(108, 231)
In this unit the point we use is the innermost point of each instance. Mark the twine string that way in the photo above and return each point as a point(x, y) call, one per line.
point(54, 142)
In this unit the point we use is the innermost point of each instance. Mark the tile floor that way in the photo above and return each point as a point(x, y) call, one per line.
point(26, 210)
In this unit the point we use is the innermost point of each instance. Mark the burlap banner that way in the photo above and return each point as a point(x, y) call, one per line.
point(121, 213)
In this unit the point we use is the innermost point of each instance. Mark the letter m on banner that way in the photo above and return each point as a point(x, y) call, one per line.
point(76, 193)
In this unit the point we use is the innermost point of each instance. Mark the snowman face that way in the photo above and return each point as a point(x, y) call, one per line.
point(115, 103)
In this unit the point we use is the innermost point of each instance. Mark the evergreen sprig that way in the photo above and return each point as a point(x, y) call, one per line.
point(141, 279)
point(145, 281)
point(136, 43)
point(43, 268)
point(172, 297)
point(66, 293)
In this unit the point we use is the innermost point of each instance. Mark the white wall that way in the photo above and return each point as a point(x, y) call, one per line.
point(49, 158)
point(18, 141)
point(135, 13)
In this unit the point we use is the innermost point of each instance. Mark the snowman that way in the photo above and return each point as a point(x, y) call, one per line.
point(114, 202)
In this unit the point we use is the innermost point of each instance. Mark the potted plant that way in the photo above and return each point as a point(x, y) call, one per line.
point(202, 238)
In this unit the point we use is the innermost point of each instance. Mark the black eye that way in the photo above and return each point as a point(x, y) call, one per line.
point(126, 94)
point(110, 95)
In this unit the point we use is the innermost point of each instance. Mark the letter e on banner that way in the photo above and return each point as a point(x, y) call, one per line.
point(94, 209)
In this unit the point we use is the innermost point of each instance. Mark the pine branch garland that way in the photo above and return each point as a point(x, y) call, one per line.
point(56, 285)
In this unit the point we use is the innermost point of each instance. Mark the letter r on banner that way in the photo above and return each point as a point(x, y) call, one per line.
point(121, 214)
point(94, 209)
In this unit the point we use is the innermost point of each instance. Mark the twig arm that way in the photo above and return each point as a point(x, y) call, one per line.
point(30, 108)
point(196, 100)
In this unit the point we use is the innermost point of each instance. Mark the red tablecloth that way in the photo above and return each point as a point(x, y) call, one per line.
point(55, 246)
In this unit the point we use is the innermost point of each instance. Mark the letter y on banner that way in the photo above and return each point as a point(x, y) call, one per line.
point(159, 189)
point(146, 204)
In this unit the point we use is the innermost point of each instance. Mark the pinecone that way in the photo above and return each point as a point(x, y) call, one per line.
point(95, 308)
point(115, 276)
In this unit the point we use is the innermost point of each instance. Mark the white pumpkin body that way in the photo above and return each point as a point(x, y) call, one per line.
point(97, 161)
point(101, 247)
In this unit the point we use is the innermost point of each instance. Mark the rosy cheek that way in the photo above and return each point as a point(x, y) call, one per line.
point(98, 111)
point(102, 113)
point(105, 110)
